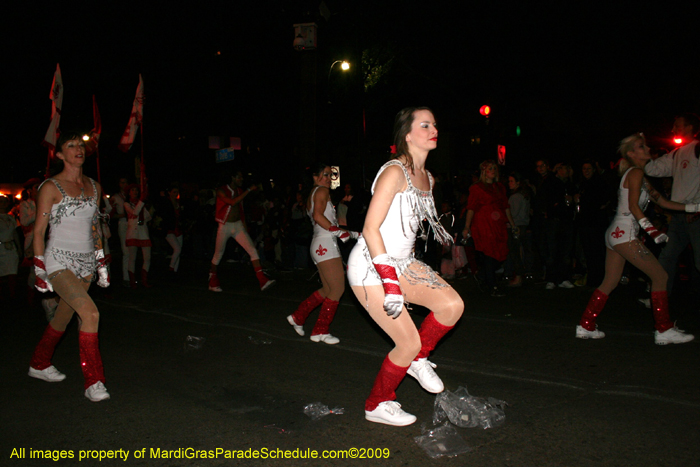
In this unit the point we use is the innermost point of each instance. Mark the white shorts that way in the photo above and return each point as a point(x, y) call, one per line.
point(621, 231)
point(361, 271)
point(324, 248)
point(360, 268)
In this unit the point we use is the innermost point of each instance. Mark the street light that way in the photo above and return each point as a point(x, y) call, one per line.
point(344, 65)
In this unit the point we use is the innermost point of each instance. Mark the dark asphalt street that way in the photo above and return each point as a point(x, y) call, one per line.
point(619, 401)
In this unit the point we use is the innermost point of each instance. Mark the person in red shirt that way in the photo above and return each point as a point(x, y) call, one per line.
point(231, 219)
point(488, 212)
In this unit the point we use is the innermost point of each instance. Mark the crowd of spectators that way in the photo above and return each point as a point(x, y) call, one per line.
point(554, 236)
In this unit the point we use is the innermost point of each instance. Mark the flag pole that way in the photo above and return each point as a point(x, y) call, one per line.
point(95, 135)
point(56, 96)
point(142, 168)
point(48, 163)
point(99, 176)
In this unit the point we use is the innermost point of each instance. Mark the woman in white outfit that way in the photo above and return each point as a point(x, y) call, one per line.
point(384, 274)
point(68, 262)
point(138, 216)
point(623, 245)
point(327, 258)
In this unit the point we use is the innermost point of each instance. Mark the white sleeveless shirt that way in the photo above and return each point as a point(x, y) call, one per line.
point(623, 207)
point(71, 244)
point(328, 212)
point(406, 214)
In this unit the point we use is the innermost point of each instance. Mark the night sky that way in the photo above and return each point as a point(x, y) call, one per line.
point(575, 79)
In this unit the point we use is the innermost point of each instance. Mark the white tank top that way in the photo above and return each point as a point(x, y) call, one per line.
point(329, 214)
point(623, 196)
point(407, 211)
point(70, 222)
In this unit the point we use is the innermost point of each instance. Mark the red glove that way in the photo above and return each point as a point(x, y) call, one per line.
point(41, 282)
point(658, 237)
point(344, 235)
point(393, 297)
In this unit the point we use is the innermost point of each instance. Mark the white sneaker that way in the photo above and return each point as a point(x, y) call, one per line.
point(566, 285)
point(672, 336)
point(268, 284)
point(390, 413)
point(645, 301)
point(97, 392)
point(50, 374)
point(550, 286)
point(583, 333)
point(422, 370)
point(49, 305)
point(297, 328)
point(327, 338)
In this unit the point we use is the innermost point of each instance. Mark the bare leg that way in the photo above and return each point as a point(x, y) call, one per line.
point(614, 265)
point(332, 278)
point(444, 302)
point(638, 255)
point(401, 330)
point(74, 299)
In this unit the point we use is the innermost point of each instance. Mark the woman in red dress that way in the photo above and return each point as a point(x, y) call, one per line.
point(488, 213)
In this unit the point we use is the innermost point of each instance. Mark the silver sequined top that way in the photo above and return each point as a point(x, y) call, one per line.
point(71, 243)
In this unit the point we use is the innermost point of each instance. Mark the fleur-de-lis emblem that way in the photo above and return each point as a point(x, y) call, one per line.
point(618, 233)
point(321, 251)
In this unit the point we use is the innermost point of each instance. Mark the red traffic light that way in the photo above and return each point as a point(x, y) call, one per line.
point(485, 110)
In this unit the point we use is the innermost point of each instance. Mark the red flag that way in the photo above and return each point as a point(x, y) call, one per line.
point(135, 120)
point(94, 141)
point(56, 97)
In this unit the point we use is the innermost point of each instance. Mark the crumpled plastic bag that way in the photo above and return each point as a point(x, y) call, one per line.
point(193, 343)
point(317, 410)
point(466, 411)
point(442, 441)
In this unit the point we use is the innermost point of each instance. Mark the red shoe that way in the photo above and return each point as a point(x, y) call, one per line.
point(144, 279)
point(214, 285)
point(516, 281)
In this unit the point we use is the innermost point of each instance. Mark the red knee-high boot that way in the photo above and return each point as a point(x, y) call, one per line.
point(431, 331)
point(306, 307)
point(325, 318)
point(41, 359)
point(144, 279)
point(90, 358)
point(265, 282)
point(384, 389)
point(659, 304)
point(595, 306)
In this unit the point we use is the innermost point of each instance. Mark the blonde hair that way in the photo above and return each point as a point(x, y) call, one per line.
point(485, 165)
point(627, 145)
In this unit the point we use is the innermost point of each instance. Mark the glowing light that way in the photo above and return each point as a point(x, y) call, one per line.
point(18, 196)
point(345, 66)
point(485, 110)
point(86, 138)
point(678, 140)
